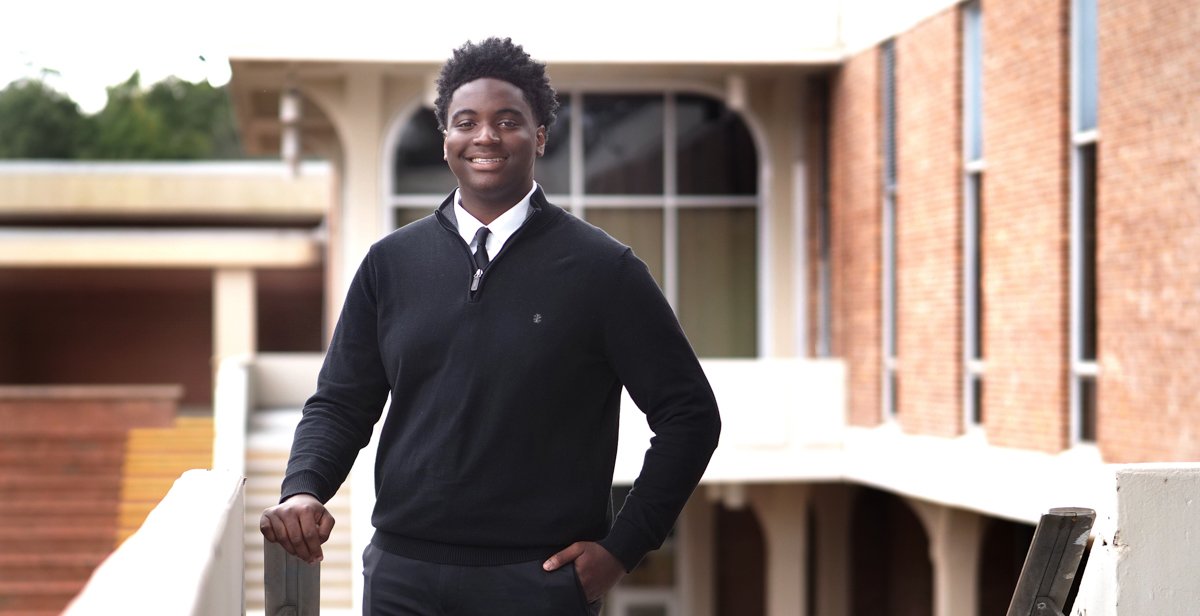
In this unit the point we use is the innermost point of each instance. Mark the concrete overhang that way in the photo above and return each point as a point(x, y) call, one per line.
point(158, 248)
point(195, 190)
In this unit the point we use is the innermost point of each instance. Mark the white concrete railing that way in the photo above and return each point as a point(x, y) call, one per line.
point(781, 419)
point(185, 560)
point(249, 382)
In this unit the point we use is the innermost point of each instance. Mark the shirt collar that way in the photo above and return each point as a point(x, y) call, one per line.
point(505, 224)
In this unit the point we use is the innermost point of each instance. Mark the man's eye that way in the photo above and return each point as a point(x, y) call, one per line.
point(465, 124)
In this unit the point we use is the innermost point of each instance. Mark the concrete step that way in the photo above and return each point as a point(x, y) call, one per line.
point(37, 596)
point(57, 539)
point(48, 567)
point(56, 506)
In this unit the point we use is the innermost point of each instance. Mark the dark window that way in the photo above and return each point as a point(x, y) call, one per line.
point(1087, 181)
point(716, 152)
point(419, 167)
point(623, 144)
point(553, 169)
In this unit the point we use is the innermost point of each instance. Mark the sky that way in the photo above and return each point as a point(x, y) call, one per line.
point(97, 44)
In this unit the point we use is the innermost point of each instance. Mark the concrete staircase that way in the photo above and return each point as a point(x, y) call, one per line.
point(269, 440)
point(58, 518)
point(62, 449)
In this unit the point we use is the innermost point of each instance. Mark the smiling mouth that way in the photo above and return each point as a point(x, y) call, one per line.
point(487, 160)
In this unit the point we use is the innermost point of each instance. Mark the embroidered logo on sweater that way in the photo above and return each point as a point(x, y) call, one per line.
point(537, 318)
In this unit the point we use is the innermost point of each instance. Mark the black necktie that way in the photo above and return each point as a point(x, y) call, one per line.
point(481, 254)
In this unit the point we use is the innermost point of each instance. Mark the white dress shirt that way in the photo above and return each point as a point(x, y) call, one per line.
point(499, 231)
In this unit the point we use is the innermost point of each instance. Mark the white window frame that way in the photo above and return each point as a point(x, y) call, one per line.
point(1080, 369)
point(973, 363)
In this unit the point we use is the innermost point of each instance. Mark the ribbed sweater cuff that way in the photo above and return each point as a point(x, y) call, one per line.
point(305, 482)
point(627, 543)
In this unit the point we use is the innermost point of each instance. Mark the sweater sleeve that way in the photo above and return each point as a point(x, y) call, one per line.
point(351, 390)
point(651, 356)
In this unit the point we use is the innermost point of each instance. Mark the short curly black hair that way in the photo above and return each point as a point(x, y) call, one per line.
point(498, 59)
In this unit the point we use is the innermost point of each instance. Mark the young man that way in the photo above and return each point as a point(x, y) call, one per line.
point(504, 329)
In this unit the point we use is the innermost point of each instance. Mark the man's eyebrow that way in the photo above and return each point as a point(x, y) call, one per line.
point(508, 110)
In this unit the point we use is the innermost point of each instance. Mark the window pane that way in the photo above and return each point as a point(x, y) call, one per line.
point(973, 80)
point(975, 181)
point(1087, 409)
point(419, 166)
point(718, 280)
point(1088, 324)
point(716, 152)
point(1085, 63)
point(553, 170)
point(889, 114)
point(639, 228)
point(977, 400)
point(623, 144)
point(406, 215)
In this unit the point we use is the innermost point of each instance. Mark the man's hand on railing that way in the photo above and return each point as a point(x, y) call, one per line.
point(300, 524)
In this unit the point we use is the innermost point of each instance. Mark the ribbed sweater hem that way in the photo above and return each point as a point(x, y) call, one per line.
point(449, 554)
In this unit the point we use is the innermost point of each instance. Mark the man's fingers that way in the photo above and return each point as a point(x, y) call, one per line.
point(264, 525)
point(281, 534)
point(326, 526)
point(575, 550)
point(309, 527)
point(296, 537)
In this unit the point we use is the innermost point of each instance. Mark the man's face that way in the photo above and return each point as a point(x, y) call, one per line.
point(492, 139)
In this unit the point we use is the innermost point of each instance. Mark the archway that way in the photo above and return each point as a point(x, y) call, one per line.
point(1001, 557)
point(891, 574)
point(741, 563)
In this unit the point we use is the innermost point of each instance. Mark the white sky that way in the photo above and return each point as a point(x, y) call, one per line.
point(98, 44)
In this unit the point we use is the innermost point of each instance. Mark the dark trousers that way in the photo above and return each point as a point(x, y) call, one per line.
point(399, 586)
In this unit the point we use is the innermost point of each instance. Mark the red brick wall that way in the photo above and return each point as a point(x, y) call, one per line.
point(929, 226)
point(1149, 231)
point(855, 198)
point(1025, 230)
point(108, 327)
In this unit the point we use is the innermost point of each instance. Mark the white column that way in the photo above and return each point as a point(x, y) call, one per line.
point(235, 314)
point(782, 511)
point(833, 507)
point(696, 556)
point(954, 545)
point(362, 140)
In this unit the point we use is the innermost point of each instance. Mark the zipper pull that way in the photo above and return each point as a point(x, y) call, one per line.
point(475, 279)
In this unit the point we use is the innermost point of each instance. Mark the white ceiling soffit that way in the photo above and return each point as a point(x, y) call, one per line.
point(619, 31)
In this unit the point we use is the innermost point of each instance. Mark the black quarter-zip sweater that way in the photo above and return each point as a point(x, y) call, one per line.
point(502, 432)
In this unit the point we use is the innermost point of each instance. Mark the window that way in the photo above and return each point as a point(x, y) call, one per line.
point(1084, 344)
point(973, 217)
point(889, 388)
point(672, 175)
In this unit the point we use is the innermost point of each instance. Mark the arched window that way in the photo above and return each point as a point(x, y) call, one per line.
point(673, 176)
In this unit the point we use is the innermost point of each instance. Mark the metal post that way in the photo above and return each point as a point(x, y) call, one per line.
point(293, 587)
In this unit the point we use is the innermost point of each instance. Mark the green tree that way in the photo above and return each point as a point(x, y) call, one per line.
point(37, 121)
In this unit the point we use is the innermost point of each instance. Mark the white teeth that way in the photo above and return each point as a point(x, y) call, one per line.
point(486, 160)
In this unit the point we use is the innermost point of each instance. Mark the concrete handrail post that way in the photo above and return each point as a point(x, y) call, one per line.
point(293, 587)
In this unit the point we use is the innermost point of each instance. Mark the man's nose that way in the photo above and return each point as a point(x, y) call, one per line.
point(487, 135)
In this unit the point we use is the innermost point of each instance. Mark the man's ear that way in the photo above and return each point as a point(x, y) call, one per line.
point(541, 141)
point(445, 154)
